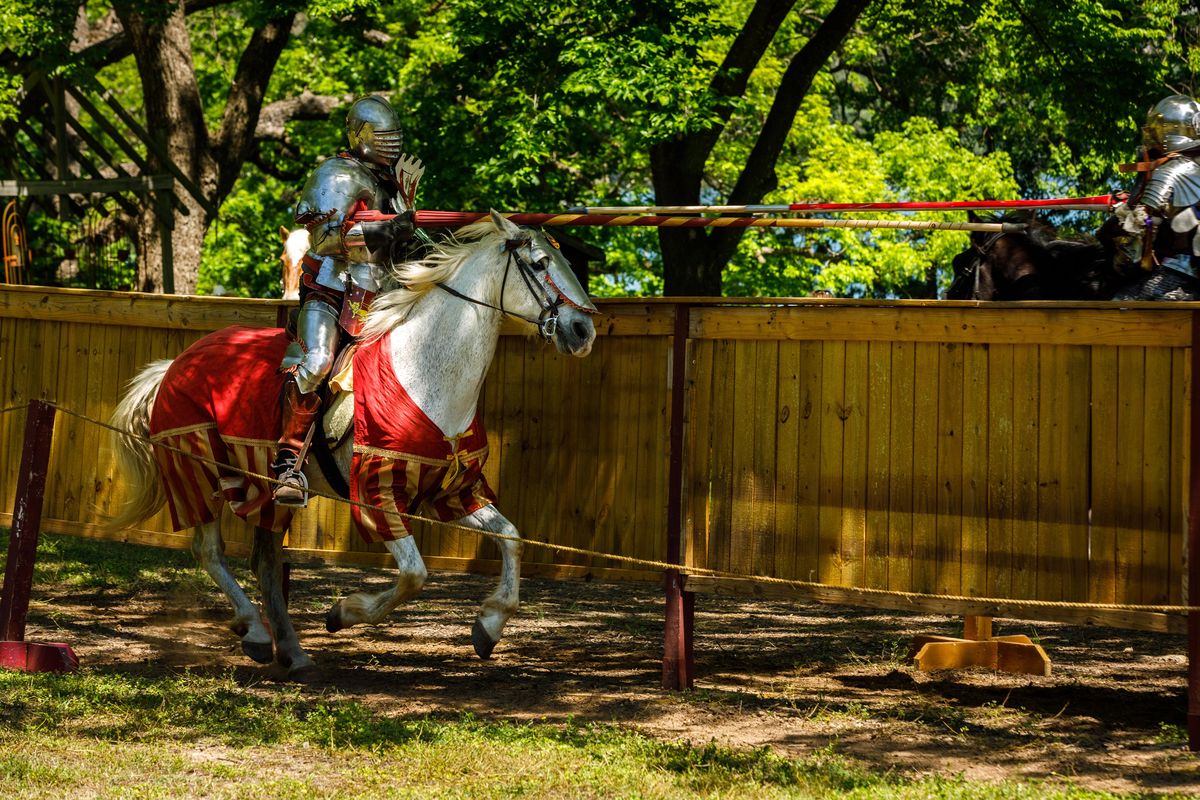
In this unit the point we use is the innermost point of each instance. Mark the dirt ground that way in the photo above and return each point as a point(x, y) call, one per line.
point(790, 676)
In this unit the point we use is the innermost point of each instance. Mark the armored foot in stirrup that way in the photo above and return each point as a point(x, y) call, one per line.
point(293, 487)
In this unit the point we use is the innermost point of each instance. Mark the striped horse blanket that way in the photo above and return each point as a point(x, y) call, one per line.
point(403, 462)
point(218, 407)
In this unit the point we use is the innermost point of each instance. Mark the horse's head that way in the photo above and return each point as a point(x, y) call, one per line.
point(295, 245)
point(540, 288)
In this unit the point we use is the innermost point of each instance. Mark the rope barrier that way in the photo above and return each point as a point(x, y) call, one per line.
point(666, 565)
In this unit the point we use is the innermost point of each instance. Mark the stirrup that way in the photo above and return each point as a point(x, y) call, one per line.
point(292, 489)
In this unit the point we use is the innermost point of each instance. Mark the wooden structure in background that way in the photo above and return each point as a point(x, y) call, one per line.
point(1025, 451)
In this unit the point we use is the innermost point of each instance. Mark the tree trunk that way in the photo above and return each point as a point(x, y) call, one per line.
point(174, 108)
point(163, 51)
point(695, 258)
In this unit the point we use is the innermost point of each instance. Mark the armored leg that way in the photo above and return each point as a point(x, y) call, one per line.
point(308, 360)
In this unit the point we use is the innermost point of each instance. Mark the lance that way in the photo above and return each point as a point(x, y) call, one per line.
point(1098, 203)
point(455, 219)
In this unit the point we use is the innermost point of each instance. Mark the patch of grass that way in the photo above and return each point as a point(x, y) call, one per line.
point(190, 735)
point(90, 564)
point(1169, 734)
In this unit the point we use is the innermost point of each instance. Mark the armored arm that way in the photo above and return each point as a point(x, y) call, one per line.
point(333, 193)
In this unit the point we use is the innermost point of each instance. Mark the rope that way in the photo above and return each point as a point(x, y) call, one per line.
point(666, 565)
point(21, 407)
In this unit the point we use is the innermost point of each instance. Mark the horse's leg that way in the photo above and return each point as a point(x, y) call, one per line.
point(502, 603)
point(209, 550)
point(266, 559)
point(373, 608)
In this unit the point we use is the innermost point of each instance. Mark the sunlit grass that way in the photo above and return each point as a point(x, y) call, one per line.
point(181, 735)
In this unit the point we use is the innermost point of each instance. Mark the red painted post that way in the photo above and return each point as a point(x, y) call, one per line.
point(1193, 546)
point(677, 672)
point(15, 652)
point(26, 521)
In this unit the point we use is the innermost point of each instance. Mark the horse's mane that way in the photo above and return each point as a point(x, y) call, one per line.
point(415, 278)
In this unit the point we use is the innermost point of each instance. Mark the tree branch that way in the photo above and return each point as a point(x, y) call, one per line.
point(235, 139)
point(758, 177)
point(272, 121)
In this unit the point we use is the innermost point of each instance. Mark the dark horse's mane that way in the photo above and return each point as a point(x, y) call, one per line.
point(1031, 264)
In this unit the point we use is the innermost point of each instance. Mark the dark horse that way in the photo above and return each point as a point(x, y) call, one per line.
point(1031, 264)
point(1035, 265)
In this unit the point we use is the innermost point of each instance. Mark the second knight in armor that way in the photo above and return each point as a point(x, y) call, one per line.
point(343, 269)
point(1159, 220)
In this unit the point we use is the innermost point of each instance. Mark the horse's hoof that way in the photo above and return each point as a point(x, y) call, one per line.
point(483, 643)
point(262, 652)
point(333, 618)
point(309, 673)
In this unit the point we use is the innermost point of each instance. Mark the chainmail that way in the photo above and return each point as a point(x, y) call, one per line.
point(1162, 284)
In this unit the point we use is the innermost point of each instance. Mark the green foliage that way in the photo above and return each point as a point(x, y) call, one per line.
point(828, 162)
point(534, 105)
point(242, 248)
point(1059, 86)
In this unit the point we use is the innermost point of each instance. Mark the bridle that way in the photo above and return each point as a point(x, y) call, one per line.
point(520, 252)
point(977, 258)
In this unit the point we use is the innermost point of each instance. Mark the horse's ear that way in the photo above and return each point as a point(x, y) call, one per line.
point(284, 233)
point(505, 226)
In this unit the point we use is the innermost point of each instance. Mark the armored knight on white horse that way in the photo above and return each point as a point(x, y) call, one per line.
point(418, 444)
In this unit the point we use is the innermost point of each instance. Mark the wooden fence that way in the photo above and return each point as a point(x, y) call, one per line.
point(1008, 451)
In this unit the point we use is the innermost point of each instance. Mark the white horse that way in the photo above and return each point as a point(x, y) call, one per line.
point(295, 245)
point(438, 334)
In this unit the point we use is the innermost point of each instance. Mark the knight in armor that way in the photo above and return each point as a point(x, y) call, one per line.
point(1159, 219)
point(343, 269)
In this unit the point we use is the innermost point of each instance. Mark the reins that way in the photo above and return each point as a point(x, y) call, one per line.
point(547, 321)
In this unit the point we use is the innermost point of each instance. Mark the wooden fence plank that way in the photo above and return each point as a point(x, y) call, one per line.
point(925, 473)
point(1156, 476)
point(853, 533)
point(1181, 436)
point(948, 549)
point(763, 484)
point(1158, 327)
point(810, 435)
point(1025, 372)
point(974, 470)
point(879, 445)
point(833, 419)
point(1105, 493)
point(787, 443)
point(698, 459)
point(741, 530)
point(1131, 382)
point(902, 427)
point(721, 513)
point(999, 476)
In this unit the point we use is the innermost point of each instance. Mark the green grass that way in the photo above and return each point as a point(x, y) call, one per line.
point(114, 735)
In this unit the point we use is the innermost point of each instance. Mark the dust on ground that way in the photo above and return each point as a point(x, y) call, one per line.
point(794, 677)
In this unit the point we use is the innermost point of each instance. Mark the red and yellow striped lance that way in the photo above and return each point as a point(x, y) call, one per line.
point(1097, 203)
point(456, 219)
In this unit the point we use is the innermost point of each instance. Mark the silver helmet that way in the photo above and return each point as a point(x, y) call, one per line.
point(1172, 123)
point(374, 131)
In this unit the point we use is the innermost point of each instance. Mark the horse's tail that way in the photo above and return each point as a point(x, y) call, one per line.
point(135, 457)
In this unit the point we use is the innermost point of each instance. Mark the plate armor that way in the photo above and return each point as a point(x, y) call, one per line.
point(1169, 194)
point(345, 266)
